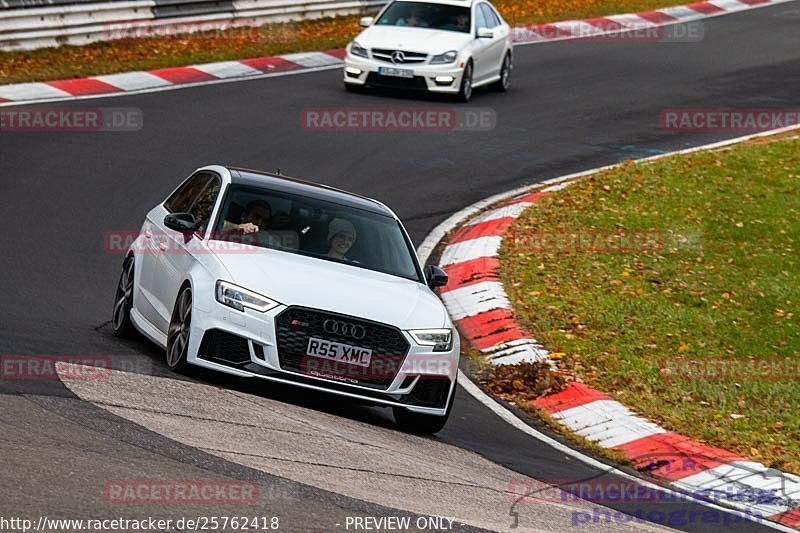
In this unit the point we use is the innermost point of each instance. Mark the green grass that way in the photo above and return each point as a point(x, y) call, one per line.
point(725, 285)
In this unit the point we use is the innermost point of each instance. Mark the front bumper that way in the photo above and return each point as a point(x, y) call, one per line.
point(422, 382)
point(362, 71)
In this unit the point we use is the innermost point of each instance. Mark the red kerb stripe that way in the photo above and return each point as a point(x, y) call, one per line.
point(574, 395)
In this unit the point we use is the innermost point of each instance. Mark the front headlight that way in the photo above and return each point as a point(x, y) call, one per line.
point(440, 339)
point(447, 57)
point(358, 50)
point(239, 298)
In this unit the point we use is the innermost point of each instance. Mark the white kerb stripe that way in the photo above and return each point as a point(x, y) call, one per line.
point(471, 249)
point(475, 299)
point(30, 91)
point(577, 28)
point(729, 5)
point(681, 13)
point(525, 34)
point(632, 21)
point(132, 81)
point(514, 355)
point(312, 59)
point(227, 69)
point(508, 211)
point(607, 422)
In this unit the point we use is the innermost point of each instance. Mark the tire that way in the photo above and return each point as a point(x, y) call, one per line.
point(504, 82)
point(123, 302)
point(465, 91)
point(178, 332)
point(420, 423)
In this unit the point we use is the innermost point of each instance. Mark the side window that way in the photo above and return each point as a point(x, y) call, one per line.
point(495, 17)
point(204, 205)
point(480, 18)
point(489, 16)
point(183, 198)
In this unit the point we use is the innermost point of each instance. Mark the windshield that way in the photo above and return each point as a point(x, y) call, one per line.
point(315, 228)
point(425, 15)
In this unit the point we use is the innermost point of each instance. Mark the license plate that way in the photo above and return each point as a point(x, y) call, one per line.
point(397, 72)
point(337, 351)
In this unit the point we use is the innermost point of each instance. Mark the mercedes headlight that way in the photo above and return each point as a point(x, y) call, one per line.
point(447, 57)
point(440, 339)
point(239, 298)
point(358, 50)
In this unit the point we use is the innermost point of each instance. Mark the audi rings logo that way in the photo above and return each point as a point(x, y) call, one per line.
point(398, 57)
point(344, 328)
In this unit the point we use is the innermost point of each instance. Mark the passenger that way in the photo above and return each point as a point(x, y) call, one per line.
point(341, 237)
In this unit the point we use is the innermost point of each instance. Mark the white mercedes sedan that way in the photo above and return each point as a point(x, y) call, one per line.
point(262, 276)
point(443, 46)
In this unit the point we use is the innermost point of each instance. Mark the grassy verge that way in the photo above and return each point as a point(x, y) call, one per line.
point(271, 39)
point(675, 287)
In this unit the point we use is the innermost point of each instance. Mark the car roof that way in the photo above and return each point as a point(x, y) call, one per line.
point(294, 186)
point(462, 3)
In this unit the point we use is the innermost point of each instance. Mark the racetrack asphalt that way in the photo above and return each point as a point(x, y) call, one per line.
point(573, 105)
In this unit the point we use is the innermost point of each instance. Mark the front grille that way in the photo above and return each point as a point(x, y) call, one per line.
point(221, 346)
point(295, 325)
point(394, 82)
point(409, 58)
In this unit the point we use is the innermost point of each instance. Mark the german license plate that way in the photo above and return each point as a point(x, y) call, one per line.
point(396, 72)
point(337, 351)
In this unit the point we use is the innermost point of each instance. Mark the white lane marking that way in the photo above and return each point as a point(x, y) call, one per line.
point(508, 211)
point(606, 422)
point(168, 87)
point(471, 249)
point(133, 81)
point(31, 90)
point(227, 69)
point(439, 232)
point(475, 299)
point(313, 59)
point(512, 419)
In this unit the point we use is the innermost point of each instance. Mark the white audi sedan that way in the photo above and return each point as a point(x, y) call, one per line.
point(443, 46)
point(263, 276)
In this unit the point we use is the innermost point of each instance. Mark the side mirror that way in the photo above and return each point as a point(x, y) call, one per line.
point(183, 222)
point(485, 33)
point(435, 276)
point(366, 22)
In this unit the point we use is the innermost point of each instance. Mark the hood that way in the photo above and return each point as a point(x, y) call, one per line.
point(413, 39)
point(293, 279)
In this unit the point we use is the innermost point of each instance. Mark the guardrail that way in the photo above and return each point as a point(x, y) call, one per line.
point(27, 28)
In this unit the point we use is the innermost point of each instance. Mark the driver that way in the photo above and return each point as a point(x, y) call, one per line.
point(255, 217)
point(341, 236)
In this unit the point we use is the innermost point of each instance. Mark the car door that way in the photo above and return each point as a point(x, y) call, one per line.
point(172, 247)
point(495, 47)
point(181, 252)
point(481, 46)
point(147, 262)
